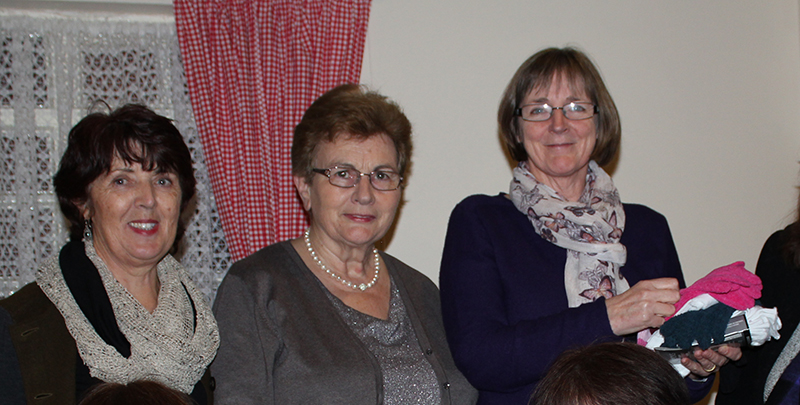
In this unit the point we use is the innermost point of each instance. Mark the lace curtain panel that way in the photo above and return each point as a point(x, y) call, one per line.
point(52, 67)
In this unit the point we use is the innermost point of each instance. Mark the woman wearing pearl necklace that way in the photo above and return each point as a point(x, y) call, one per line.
point(326, 318)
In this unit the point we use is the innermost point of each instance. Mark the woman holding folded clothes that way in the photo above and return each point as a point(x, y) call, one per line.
point(559, 261)
point(771, 373)
point(114, 306)
point(326, 317)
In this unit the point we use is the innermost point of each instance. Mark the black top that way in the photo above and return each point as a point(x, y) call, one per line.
point(742, 382)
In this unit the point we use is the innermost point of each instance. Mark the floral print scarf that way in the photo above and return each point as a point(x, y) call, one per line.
point(589, 229)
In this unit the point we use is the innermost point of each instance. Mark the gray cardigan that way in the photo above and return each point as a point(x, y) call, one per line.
point(283, 342)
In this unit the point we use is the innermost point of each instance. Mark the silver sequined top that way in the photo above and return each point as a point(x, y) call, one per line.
point(408, 377)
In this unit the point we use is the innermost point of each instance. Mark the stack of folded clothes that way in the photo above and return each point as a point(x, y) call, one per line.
point(709, 313)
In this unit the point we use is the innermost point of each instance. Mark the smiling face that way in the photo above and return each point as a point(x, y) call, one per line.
point(558, 149)
point(353, 217)
point(134, 216)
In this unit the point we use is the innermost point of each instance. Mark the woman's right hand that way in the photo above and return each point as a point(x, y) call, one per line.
point(643, 306)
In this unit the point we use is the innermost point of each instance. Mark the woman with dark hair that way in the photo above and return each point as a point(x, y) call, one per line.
point(114, 305)
point(611, 373)
point(326, 318)
point(771, 373)
point(560, 261)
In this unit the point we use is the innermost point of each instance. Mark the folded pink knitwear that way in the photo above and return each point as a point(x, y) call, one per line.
point(732, 285)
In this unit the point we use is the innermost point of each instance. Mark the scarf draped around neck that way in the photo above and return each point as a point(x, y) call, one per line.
point(589, 229)
point(173, 345)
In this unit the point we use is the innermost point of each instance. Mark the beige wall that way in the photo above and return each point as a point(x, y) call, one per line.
point(708, 92)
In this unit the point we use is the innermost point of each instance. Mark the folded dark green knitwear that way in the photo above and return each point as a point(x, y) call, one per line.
point(706, 326)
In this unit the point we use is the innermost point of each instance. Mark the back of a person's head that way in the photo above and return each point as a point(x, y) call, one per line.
point(609, 374)
point(135, 393)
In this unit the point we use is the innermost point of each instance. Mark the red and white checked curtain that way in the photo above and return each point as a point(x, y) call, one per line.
point(253, 67)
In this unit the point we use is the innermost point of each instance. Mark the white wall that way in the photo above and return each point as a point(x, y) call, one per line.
point(708, 92)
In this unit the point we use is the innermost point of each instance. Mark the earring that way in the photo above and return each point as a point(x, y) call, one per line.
point(87, 229)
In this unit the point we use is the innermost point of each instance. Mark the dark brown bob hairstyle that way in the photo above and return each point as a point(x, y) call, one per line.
point(349, 110)
point(133, 133)
point(611, 373)
point(537, 73)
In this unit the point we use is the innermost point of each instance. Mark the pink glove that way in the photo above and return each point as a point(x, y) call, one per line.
point(732, 285)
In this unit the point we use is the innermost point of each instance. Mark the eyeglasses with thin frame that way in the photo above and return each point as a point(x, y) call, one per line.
point(346, 177)
point(574, 111)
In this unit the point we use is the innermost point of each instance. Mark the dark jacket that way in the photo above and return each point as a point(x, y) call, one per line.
point(38, 355)
point(34, 332)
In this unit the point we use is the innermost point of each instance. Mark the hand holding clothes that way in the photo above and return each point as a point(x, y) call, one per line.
point(504, 301)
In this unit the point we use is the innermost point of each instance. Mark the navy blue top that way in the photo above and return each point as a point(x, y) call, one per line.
point(503, 297)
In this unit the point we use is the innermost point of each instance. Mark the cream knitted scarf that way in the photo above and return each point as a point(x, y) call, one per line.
point(173, 345)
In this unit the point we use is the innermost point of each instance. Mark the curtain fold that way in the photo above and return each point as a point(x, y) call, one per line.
point(253, 67)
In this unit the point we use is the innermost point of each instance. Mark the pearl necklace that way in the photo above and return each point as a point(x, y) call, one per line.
point(362, 286)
